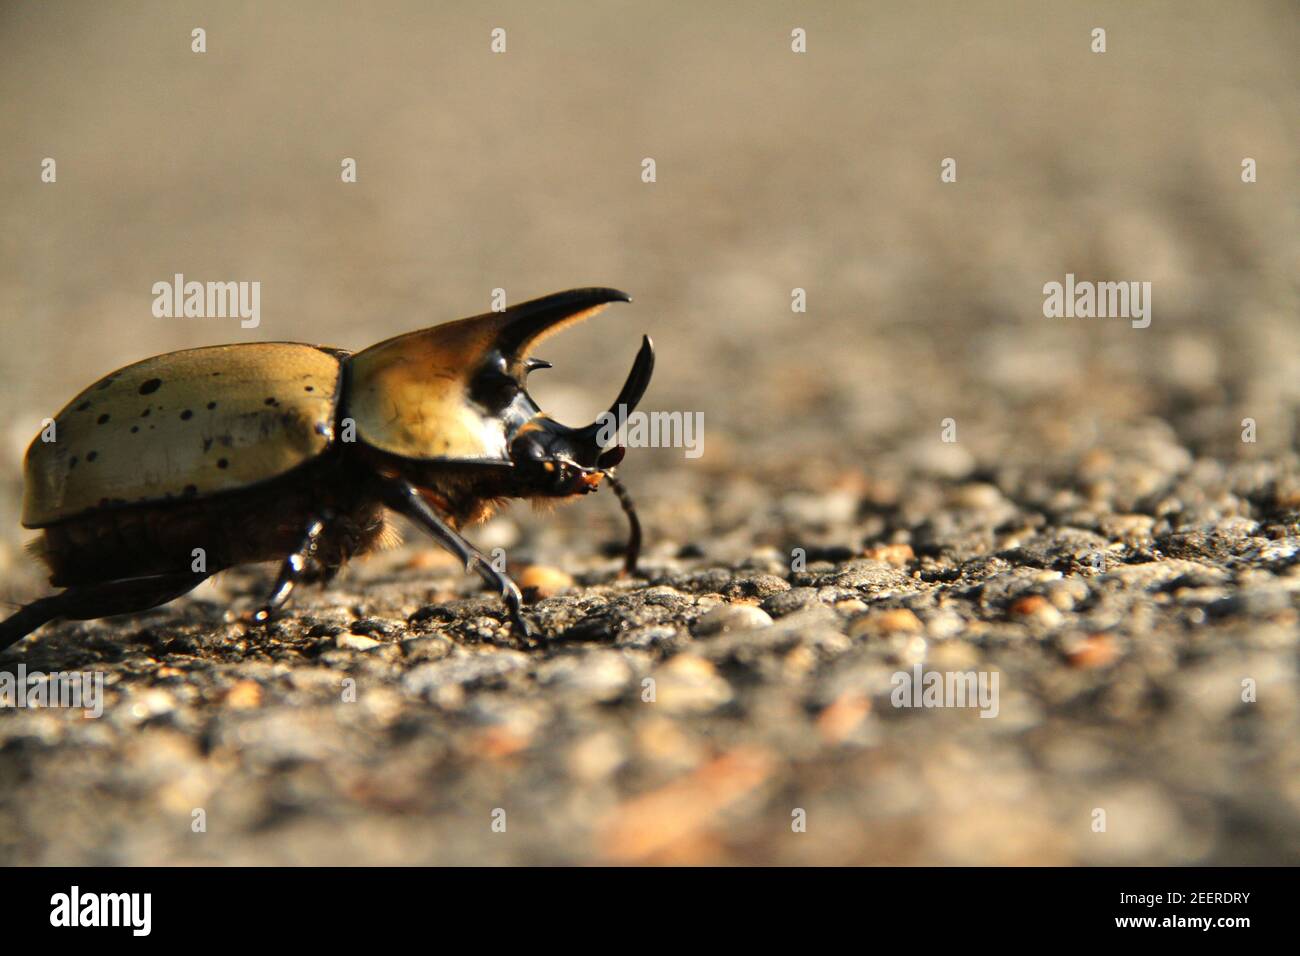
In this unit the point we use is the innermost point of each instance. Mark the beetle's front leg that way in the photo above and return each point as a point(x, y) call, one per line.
point(291, 570)
point(404, 498)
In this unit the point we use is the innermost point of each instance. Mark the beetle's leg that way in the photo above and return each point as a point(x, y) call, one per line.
point(291, 570)
point(85, 602)
point(404, 498)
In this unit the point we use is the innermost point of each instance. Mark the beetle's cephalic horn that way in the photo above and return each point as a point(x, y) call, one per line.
point(522, 326)
point(637, 381)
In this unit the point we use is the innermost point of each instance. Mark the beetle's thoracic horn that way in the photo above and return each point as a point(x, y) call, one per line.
point(523, 326)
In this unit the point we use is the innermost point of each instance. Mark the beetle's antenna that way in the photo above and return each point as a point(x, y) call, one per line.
point(629, 509)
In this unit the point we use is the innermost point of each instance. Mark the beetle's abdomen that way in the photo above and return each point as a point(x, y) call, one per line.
point(207, 536)
point(183, 426)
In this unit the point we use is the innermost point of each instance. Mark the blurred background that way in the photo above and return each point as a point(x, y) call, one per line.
point(775, 171)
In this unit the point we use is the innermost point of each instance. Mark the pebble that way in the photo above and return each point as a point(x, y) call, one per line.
point(244, 695)
point(978, 496)
point(374, 625)
point(758, 585)
point(1095, 650)
point(873, 577)
point(596, 756)
point(540, 581)
point(1037, 610)
point(356, 642)
point(893, 621)
point(1128, 526)
point(897, 555)
point(600, 675)
point(787, 602)
point(689, 684)
point(731, 617)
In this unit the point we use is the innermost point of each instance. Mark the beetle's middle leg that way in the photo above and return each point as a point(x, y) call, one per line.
point(404, 498)
point(292, 569)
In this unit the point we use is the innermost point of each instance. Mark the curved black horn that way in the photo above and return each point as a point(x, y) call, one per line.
point(522, 326)
point(638, 380)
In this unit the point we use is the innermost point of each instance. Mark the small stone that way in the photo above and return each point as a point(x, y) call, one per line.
point(1254, 602)
point(368, 626)
point(244, 695)
point(355, 642)
point(499, 741)
point(799, 661)
point(597, 676)
point(1066, 593)
point(845, 714)
point(595, 757)
point(893, 621)
point(757, 585)
point(428, 559)
point(152, 703)
point(1128, 526)
point(1288, 495)
point(428, 648)
point(787, 602)
point(1095, 650)
point(542, 581)
point(731, 617)
point(977, 496)
point(945, 624)
point(953, 656)
point(689, 684)
point(1037, 609)
point(896, 554)
point(873, 577)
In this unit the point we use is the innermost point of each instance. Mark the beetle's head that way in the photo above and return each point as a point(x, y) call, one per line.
point(554, 459)
point(550, 458)
point(457, 393)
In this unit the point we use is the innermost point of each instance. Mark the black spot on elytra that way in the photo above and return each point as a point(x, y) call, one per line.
point(73, 462)
point(190, 491)
point(211, 405)
point(222, 463)
point(145, 413)
point(102, 418)
point(134, 429)
point(186, 415)
point(271, 401)
point(92, 456)
point(82, 407)
point(309, 388)
point(151, 386)
point(207, 443)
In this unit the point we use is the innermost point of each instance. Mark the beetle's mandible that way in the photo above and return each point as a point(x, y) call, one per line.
point(278, 450)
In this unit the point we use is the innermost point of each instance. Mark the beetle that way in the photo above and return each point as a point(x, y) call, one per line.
point(282, 450)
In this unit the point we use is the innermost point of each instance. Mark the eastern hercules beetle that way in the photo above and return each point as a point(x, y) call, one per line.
point(287, 451)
